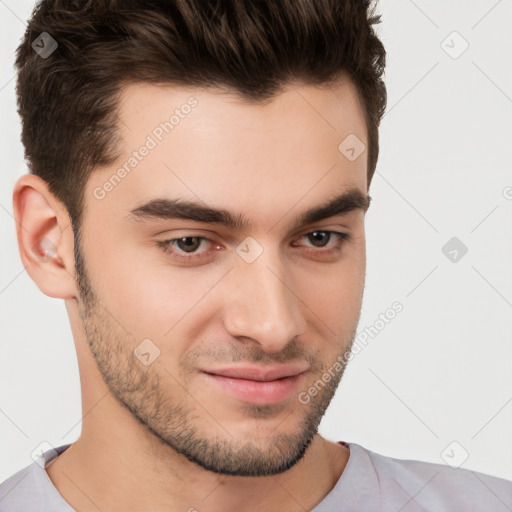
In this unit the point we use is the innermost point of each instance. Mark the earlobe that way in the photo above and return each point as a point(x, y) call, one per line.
point(45, 237)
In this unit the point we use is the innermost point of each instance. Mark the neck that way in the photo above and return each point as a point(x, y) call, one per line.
point(130, 469)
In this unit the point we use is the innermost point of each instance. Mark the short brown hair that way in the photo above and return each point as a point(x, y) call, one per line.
point(68, 100)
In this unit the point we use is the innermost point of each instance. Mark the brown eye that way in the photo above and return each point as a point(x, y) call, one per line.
point(187, 248)
point(322, 245)
point(319, 238)
point(189, 243)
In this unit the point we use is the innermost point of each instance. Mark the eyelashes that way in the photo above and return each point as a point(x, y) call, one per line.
point(185, 248)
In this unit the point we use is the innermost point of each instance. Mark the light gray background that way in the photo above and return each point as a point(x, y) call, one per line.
point(440, 371)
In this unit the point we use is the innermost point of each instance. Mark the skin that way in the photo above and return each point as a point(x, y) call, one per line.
point(163, 436)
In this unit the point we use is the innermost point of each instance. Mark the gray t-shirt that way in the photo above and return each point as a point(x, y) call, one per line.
point(371, 482)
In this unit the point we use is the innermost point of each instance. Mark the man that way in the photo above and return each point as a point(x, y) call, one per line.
point(200, 177)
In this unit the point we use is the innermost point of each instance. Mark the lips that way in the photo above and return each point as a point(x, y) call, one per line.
point(262, 385)
point(260, 374)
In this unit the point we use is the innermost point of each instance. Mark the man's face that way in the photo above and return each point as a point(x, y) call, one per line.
point(164, 319)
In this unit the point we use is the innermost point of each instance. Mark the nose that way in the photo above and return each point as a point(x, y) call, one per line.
point(262, 304)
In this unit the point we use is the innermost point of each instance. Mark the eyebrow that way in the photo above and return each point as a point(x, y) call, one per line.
point(166, 208)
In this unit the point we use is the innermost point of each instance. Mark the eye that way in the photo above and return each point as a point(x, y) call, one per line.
point(180, 247)
point(320, 239)
point(188, 243)
point(186, 248)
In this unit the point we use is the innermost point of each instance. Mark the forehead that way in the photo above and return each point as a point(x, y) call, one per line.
point(213, 146)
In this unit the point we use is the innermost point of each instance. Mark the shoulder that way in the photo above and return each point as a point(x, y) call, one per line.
point(437, 486)
point(30, 488)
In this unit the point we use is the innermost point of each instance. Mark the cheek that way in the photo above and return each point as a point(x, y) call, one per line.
point(338, 305)
point(334, 292)
point(147, 296)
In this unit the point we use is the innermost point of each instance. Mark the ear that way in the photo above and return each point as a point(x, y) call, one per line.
point(45, 237)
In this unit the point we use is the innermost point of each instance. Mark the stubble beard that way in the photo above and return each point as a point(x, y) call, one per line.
point(174, 422)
